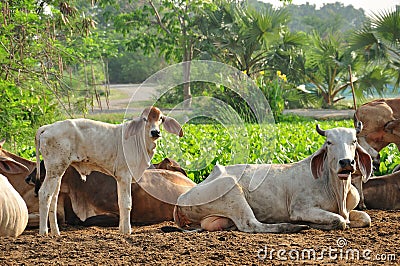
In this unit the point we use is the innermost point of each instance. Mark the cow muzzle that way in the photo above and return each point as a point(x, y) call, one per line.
point(155, 133)
point(347, 167)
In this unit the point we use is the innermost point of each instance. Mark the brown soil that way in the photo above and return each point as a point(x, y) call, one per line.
point(149, 245)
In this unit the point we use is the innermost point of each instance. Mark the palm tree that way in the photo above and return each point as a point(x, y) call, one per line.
point(251, 39)
point(327, 62)
point(379, 41)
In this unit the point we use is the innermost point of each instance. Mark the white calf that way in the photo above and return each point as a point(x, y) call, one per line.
point(122, 151)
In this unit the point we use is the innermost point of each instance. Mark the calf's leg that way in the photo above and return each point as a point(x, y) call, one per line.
point(124, 204)
point(46, 194)
point(53, 210)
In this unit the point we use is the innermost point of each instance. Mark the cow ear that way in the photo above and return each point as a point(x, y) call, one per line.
point(317, 163)
point(172, 126)
point(364, 162)
point(392, 126)
point(9, 166)
point(134, 127)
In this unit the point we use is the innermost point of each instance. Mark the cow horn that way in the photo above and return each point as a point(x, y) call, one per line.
point(359, 126)
point(320, 131)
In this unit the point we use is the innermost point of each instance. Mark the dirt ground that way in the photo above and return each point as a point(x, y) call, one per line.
point(148, 245)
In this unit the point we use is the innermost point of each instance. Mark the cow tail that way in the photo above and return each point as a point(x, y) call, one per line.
point(37, 146)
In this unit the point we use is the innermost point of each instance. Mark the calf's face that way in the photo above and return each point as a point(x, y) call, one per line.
point(150, 121)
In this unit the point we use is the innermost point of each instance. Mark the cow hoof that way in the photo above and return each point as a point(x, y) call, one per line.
point(43, 232)
point(125, 230)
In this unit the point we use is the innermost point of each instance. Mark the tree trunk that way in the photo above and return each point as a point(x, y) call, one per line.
point(187, 95)
point(187, 58)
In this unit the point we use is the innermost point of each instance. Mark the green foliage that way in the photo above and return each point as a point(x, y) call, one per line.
point(21, 111)
point(327, 64)
point(390, 158)
point(205, 145)
point(37, 46)
point(134, 67)
point(378, 41)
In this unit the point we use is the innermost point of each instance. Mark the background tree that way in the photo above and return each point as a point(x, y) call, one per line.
point(327, 61)
point(379, 42)
point(169, 27)
point(35, 54)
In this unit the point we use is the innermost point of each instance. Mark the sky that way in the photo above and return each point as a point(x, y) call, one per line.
point(368, 5)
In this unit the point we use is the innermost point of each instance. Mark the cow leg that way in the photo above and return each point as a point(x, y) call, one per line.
point(357, 218)
point(353, 198)
point(53, 209)
point(223, 198)
point(60, 209)
point(318, 218)
point(124, 204)
point(46, 194)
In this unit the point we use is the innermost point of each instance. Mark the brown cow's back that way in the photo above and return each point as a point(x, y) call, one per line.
point(383, 192)
point(395, 105)
point(152, 202)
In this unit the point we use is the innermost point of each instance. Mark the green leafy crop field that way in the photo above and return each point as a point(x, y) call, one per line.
point(205, 145)
point(291, 140)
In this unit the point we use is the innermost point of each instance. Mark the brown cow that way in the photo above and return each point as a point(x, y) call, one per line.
point(381, 126)
point(94, 201)
point(383, 192)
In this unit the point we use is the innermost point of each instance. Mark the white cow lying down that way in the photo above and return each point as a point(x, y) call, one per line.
point(275, 198)
point(13, 210)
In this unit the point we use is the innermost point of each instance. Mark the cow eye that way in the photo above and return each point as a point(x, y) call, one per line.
point(144, 119)
point(329, 143)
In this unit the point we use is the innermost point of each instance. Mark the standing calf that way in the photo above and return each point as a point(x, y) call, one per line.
point(122, 151)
